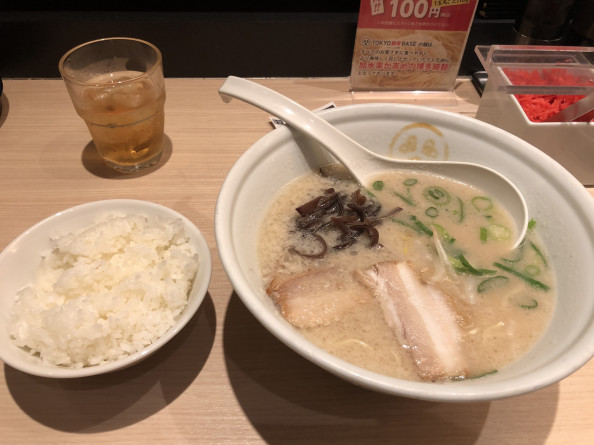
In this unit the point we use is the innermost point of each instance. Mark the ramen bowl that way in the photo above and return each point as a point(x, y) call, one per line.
point(563, 208)
point(20, 264)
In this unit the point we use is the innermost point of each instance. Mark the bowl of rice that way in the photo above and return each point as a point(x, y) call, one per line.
point(98, 287)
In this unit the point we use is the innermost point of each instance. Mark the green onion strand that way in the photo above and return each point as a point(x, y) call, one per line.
point(531, 281)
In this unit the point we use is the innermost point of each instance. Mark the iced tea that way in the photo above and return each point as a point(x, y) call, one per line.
point(126, 119)
point(117, 87)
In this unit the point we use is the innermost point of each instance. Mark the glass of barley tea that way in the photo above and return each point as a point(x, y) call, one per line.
point(117, 87)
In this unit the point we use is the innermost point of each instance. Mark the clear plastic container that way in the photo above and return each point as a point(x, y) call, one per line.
point(517, 74)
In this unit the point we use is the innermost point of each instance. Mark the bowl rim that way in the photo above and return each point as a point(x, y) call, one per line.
point(467, 391)
point(129, 206)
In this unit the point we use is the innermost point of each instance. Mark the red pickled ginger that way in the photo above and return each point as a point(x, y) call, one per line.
point(540, 107)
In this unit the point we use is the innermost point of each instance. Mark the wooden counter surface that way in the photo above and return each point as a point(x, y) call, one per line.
point(224, 378)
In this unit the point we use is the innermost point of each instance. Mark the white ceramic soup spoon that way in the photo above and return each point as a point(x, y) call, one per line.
point(362, 163)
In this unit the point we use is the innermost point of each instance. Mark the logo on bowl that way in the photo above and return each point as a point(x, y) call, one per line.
point(419, 141)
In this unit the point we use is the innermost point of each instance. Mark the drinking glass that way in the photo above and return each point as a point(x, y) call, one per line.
point(117, 87)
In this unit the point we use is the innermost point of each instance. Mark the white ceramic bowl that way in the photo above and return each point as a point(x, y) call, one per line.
point(563, 208)
point(21, 258)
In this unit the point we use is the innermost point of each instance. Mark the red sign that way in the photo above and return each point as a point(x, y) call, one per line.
point(410, 44)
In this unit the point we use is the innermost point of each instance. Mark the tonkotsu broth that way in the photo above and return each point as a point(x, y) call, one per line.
point(499, 323)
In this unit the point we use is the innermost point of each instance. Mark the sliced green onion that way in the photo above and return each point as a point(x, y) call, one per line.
point(519, 254)
point(432, 212)
point(469, 268)
point(437, 195)
point(532, 305)
point(411, 181)
point(461, 211)
point(539, 253)
point(483, 234)
point(443, 233)
point(455, 262)
point(531, 224)
point(407, 199)
point(482, 203)
point(378, 185)
point(484, 374)
point(492, 283)
point(498, 232)
point(424, 228)
point(404, 223)
point(531, 281)
point(478, 376)
point(524, 301)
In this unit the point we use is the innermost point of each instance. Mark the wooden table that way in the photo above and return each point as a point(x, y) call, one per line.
point(223, 379)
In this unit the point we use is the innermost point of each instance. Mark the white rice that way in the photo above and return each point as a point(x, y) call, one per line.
point(105, 292)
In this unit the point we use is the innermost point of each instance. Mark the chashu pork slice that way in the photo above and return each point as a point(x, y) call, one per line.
point(421, 316)
point(316, 297)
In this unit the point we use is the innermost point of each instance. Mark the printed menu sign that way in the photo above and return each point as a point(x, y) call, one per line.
point(410, 44)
